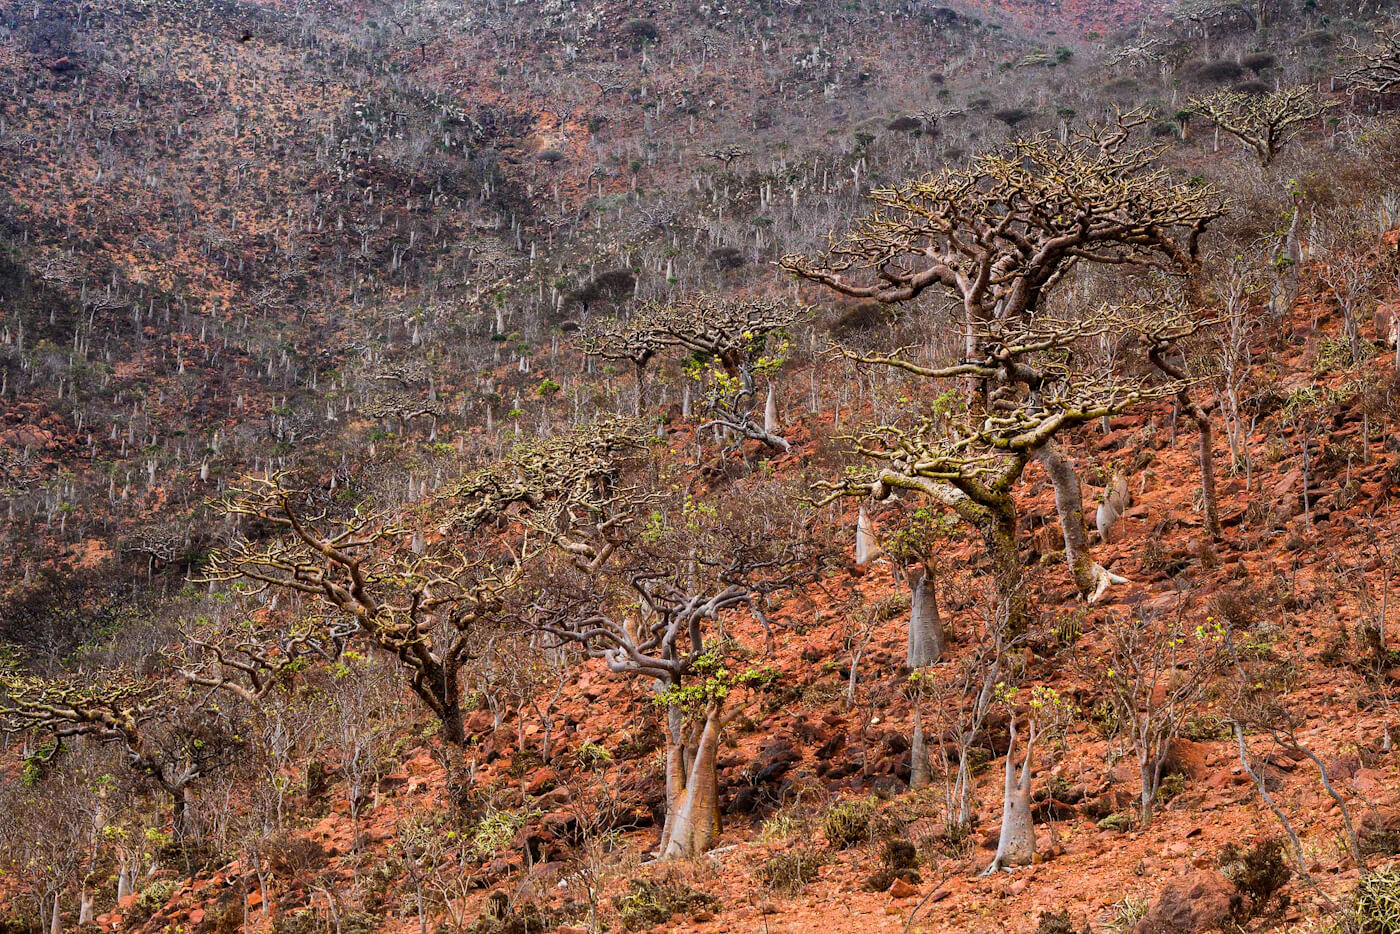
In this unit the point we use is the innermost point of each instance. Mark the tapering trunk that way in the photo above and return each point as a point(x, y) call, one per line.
point(56, 918)
point(866, 548)
point(920, 775)
point(1016, 845)
point(1206, 457)
point(1090, 578)
point(770, 413)
point(123, 882)
point(925, 625)
point(692, 816)
point(84, 907)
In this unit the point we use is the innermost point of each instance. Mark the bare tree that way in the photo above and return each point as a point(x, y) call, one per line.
point(970, 461)
point(657, 610)
point(730, 344)
point(1263, 122)
point(1378, 69)
point(997, 237)
point(170, 739)
point(421, 603)
point(1157, 674)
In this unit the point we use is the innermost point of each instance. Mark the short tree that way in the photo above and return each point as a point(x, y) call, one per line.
point(1263, 122)
point(998, 237)
point(1158, 672)
point(167, 737)
point(971, 460)
point(1377, 69)
point(422, 603)
point(657, 610)
point(729, 345)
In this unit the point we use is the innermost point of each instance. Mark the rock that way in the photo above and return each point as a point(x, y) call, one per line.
point(1196, 902)
point(196, 915)
point(774, 760)
point(541, 780)
point(1368, 781)
point(901, 889)
point(1188, 758)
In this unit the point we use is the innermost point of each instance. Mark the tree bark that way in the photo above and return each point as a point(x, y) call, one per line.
point(920, 775)
point(1016, 845)
point(692, 817)
point(1090, 577)
point(1000, 535)
point(925, 626)
point(1205, 456)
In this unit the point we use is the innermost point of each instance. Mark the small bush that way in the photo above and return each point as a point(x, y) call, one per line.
point(1118, 823)
point(591, 755)
point(1376, 903)
point(1056, 922)
point(1013, 115)
point(899, 861)
point(650, 903)
point(863, 317)
point(787, 873)
point(294, 857)
point(151, 900)
point(497, 828)
point(1258, 872)
point(641, 31)
point(848, 823)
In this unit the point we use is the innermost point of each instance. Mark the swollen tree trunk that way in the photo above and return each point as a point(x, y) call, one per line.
point(920, 775)
point(867, 550)
point(1205, 456)
point(1207, 462)
point(1090, 577)
point(1016, 845)
point(925, 625)
point(84, 907)
point(123, 882)
point(692, 813)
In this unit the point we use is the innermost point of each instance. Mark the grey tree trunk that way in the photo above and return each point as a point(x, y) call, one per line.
point(920, 775)
point(1090, 578)
point(692, 818)
point(1016, 845)
point(925, 625)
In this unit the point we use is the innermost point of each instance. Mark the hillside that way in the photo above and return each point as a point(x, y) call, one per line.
point(550, 466)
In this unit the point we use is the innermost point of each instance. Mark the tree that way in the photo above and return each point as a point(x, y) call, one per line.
point(1046, 713)
point(970, 460)
point(998, 237)
point(1263, 122)
point(729, 343)
point(422, 603)
point(248, 660)
point(1377, 70)
point(1158, 672)
point(168, 739)
point(913, 549)
point(656, 610)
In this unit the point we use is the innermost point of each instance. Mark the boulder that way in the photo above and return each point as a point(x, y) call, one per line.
point(1196, 902)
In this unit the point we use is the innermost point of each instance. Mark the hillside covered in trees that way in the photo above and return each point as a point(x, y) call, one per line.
point(758, 466)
